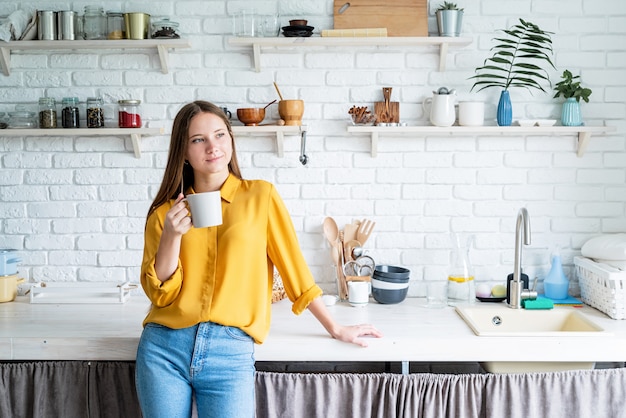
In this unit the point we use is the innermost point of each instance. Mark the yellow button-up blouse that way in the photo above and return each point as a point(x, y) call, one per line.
point(225, 272)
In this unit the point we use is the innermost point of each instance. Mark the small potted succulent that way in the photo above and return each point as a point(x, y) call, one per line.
point(449, 19)
point(571, 90)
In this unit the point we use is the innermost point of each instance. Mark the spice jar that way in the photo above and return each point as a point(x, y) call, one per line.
point(94, 23)
point(69, 113)
point(47, 113)
point(95, 114)
point(129, 113)
point(115, 25)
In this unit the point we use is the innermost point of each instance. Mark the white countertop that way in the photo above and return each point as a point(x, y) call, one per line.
point(412, 333)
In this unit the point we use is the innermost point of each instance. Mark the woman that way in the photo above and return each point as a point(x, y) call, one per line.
point(211, 288)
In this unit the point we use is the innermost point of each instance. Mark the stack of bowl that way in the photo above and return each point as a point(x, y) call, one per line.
point(390, 284)
point(298, 28)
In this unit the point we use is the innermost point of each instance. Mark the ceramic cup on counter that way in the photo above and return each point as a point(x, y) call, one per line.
point(471, 113)
point(358, 293)
point(206, 209)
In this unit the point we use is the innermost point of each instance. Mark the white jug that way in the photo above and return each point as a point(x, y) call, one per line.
point(441, 109)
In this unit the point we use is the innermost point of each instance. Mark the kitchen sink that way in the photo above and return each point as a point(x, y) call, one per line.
point(502, 321)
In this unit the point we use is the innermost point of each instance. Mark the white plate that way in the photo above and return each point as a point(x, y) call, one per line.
point(526, 122)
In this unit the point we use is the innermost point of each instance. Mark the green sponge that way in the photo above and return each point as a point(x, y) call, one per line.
point(539, 303)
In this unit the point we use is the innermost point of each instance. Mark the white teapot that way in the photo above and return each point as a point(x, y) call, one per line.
point(441, 105)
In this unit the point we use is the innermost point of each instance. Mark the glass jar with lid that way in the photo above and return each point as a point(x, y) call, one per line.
point(47, 113)
point(115, 25)
point(95, 113)
point(164, 28)
point(21, 118)
point(129, 112)
point(70, 116)
point(94, 23)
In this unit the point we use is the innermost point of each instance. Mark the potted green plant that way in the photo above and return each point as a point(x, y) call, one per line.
point(449, 19)
point(516, 62)
point(571, 90)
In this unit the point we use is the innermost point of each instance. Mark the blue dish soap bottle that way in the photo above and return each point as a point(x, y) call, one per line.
point(556, 283)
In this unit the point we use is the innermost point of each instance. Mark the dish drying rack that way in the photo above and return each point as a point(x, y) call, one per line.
point(72, 292)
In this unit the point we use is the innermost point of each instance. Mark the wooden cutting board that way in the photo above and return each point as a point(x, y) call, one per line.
point(387, 115)
point(400, 17)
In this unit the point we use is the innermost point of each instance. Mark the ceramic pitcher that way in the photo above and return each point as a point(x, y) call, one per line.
point(440, 107)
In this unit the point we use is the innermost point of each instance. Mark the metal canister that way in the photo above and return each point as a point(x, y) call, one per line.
point(66, 20)
point(46, 25)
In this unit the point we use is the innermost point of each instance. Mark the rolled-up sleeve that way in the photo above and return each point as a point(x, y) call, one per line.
point(286, 255)
point(160, 293)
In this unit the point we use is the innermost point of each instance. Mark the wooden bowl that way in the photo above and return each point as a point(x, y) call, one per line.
point(291, 111)
point(298, 22)
point(251, 116)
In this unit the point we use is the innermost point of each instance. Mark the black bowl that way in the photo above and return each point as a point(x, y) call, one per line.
point(389, 279)
point(389, 293)
point(392, 272)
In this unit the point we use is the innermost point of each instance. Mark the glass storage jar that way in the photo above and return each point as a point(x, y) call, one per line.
point(129, 112)
point(164, 28)
point(47, 113)
point(94, 23)
point(22, 119)
point(70, 116)
point(115, 25)
point(95, 114)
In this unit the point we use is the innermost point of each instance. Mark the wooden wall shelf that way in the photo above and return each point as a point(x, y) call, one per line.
point(161, 45)
point(134, 133)
point(265, 130)
point(583, 132)
point(258, 44)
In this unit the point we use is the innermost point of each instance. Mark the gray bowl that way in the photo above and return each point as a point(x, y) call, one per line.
point(389, 296)
point(388, 292)
point(392, 272)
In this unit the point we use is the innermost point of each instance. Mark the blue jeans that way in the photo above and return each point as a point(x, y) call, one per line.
point(209, 362)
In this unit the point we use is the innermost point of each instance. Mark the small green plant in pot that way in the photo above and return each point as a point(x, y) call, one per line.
point(449, 19)
point(569, 87)
point(516, 62)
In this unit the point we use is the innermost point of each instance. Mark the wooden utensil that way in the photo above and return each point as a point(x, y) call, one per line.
point(348, 247)
point(365, 230)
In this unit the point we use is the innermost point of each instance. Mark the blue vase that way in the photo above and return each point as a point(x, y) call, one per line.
point(505, 109)
point(570, 114)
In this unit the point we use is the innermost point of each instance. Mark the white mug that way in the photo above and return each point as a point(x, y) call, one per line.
point(441, 109)
point(471, 113)
point(358, 293)
point(206, 209)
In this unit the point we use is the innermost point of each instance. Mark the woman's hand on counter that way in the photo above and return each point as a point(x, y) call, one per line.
point(350, 333)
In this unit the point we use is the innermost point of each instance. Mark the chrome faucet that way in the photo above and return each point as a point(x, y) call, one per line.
point(517, 293)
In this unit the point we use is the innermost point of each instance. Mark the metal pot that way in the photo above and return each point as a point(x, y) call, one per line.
point(8, 262)
point(8, 287)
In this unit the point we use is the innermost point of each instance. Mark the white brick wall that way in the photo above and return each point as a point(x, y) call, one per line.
point(76, 206)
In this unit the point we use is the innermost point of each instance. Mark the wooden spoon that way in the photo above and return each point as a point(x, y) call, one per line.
point(331, 231)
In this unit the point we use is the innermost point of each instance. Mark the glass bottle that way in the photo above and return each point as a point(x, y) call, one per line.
point(129, 113)
point(94, 23)
point(115, 25)
point(95, 114)
point(69, 114)
point(461, 276)
point(47, 113)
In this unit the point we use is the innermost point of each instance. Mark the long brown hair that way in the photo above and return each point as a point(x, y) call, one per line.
point(176, 171)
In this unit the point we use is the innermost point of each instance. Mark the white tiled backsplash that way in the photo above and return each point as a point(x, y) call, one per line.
point(76, 206)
